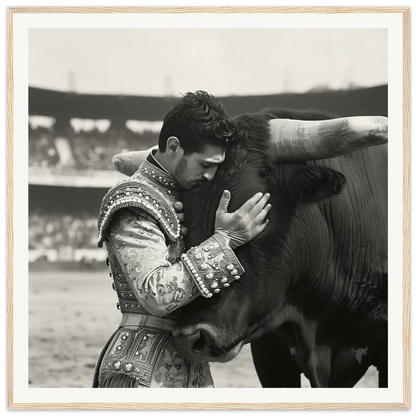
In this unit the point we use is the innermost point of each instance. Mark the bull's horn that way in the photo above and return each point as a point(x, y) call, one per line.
point(129, 162)
point(297, 140)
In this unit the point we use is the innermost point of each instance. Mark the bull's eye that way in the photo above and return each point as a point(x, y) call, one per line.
point(265, 173)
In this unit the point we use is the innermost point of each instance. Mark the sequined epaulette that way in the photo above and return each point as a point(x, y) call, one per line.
point(133, 193)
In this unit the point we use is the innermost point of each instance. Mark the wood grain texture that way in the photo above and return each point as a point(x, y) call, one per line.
point(406, 211)
point(211, 406)
point(10, 195)
point(10, 190)
point(312, 10)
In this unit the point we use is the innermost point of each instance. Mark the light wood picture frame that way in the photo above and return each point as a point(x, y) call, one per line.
point(20, 21)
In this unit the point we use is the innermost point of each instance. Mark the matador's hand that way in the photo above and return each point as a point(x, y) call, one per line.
point(247, 222)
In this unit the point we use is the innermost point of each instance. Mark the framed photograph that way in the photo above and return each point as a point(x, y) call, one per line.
point(85, 84)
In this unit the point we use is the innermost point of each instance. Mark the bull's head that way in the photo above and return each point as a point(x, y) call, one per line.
point(263, 160)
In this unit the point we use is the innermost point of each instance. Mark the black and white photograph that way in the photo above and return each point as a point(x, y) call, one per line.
point(208, 201)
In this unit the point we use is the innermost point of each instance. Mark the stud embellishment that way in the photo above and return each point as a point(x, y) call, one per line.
point(129, 367)
point(178, 206)
point(212, 266)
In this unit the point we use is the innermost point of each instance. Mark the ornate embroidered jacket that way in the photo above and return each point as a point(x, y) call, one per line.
point(141, 224)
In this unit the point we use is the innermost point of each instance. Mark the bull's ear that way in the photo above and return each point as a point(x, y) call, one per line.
point(315, 183)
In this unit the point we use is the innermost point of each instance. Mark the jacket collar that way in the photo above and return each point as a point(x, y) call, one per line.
point(158, 176)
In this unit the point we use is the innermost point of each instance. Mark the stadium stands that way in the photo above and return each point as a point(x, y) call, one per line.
point(83, 150)
point(63, 237)
point(42, 150)
point(49, 231)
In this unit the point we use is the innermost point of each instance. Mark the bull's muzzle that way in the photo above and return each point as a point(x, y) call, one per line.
point(202, 342)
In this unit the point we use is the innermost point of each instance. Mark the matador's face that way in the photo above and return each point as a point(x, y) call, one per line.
point(195, 168)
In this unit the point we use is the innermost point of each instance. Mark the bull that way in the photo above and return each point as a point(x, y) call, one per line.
point(313, 298)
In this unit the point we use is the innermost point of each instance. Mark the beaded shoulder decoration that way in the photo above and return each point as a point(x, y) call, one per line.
point(133, 193)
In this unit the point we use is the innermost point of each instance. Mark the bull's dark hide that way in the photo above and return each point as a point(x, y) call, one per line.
point(313, 298)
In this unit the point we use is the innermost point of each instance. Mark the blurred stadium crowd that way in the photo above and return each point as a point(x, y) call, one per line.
point(83, 150)
point(76, 153)
point(59, 230)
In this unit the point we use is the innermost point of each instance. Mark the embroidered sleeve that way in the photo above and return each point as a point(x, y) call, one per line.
point(162, 286)
point(142, 251)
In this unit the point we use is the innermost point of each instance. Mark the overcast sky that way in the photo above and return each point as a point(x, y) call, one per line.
point(158, 62)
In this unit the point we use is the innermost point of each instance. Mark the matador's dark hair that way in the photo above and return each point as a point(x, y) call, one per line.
point(196, 120)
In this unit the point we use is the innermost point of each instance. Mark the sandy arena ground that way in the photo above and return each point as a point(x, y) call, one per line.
point(71, 316)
